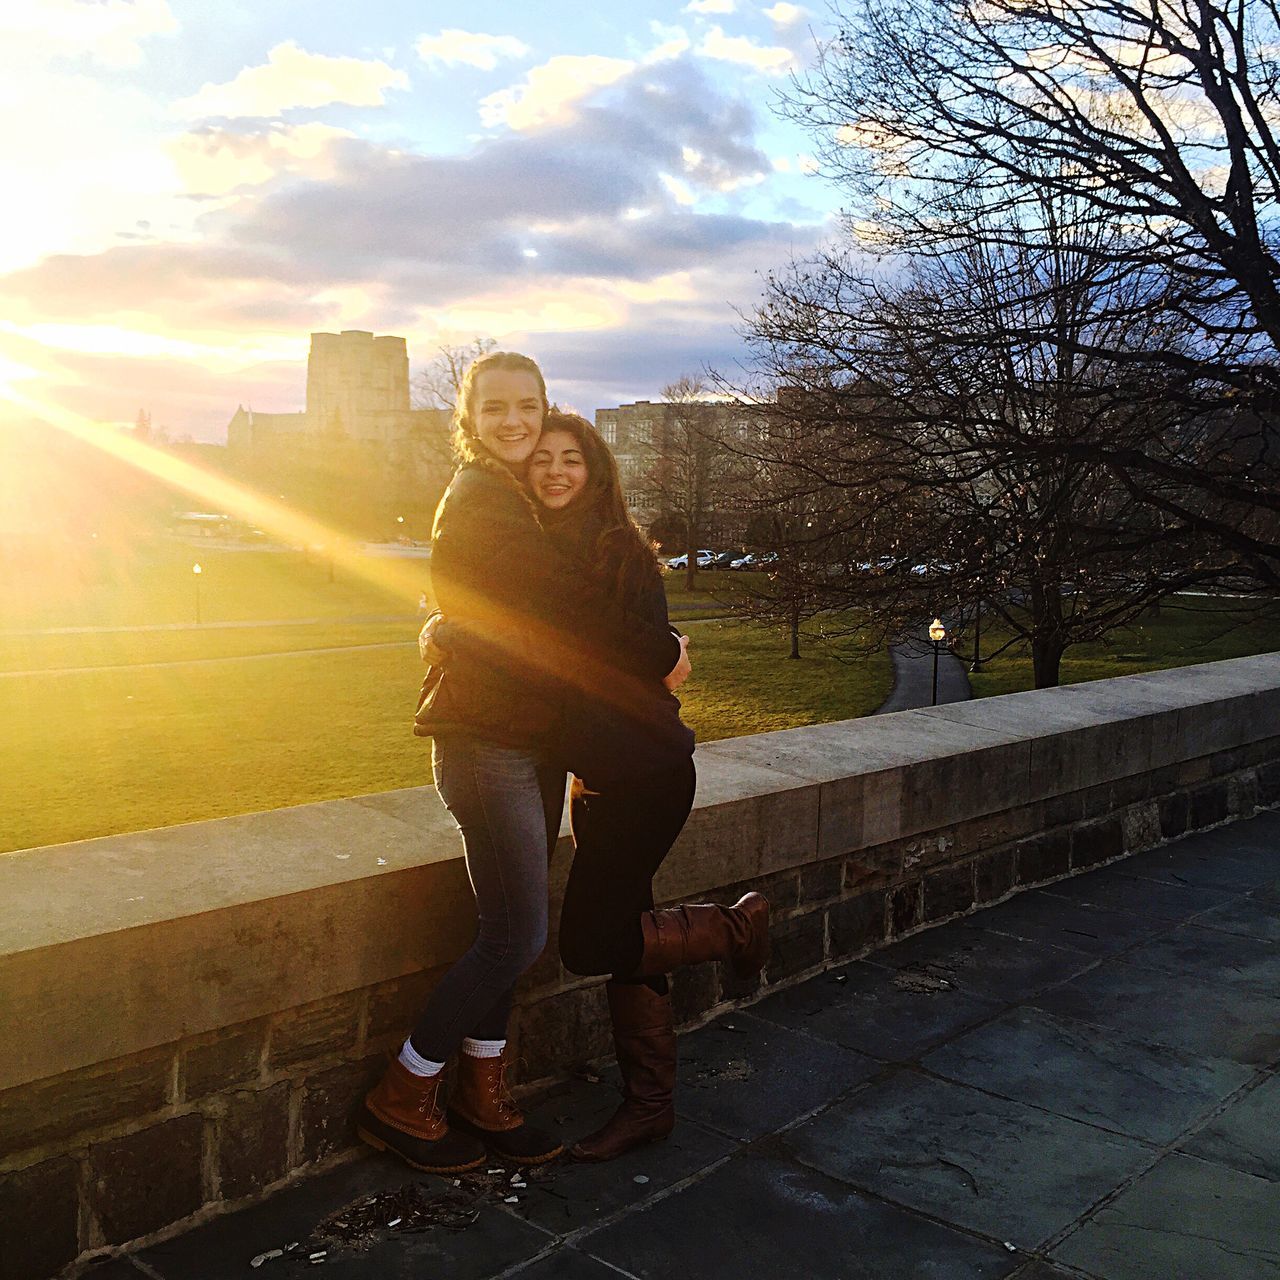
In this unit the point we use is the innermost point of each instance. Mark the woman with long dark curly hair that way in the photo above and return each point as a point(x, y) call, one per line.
point(632, 757)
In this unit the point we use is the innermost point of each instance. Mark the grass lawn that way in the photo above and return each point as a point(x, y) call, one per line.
point(713, 593)
point(743, 682)
point(93, 753)
point(1186, 631)
point(127, 648)
point(153, 585)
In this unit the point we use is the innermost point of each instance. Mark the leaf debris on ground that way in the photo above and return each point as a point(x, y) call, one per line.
point(417, 1207)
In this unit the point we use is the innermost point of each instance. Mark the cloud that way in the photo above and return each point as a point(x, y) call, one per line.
point(548, 91)
point(769, 59)
point(340, 211)
point(680, 191)
point(783, 14)
point(215, 161)
point(109, 32)
point(471, 48)
point(292, 77)
point(711, 6)
point(673, 41)
point(568, 232)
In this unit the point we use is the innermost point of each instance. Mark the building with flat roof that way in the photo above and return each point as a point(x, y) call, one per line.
point(357, 441)
point(648, 438)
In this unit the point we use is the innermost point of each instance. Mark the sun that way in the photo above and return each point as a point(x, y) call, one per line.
point(12, 373)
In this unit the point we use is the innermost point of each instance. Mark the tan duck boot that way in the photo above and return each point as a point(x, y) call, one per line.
point(482, 1105)
point(402, 1114)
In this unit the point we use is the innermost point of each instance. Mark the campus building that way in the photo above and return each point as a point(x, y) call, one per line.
point(358, 441)
point(653, 444)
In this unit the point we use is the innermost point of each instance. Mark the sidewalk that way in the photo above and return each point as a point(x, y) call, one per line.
point(913, 676)
point(1081, 1082)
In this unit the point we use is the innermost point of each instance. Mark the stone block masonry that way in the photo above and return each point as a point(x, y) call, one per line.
point(194, 1026)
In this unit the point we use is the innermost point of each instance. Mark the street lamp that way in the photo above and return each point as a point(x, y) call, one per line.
point(196, 571)
point(937, 633)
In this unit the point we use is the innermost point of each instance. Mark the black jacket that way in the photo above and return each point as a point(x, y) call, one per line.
point(531, 622)
point(605, 738)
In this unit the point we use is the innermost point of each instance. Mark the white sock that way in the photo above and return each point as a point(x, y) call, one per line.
point(483, 1048)
point(413, 1061)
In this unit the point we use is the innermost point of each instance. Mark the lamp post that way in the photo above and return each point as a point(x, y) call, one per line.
point(327, 551)
point(937, 633)
point(196, 571)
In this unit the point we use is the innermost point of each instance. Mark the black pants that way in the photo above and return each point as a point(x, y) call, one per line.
point(621, 834)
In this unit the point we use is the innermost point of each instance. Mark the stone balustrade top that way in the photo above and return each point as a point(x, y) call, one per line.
point(188, 928)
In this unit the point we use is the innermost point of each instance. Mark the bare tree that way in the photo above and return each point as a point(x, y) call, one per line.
point(690, 473)
point(437, 384)
point(1160, 118)
point(932, 401)
point(791, 524)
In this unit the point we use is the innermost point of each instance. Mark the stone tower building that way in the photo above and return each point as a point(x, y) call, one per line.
point(357, 444)
point(353, 373)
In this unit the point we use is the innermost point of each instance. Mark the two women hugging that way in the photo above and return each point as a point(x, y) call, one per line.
point(556, 656)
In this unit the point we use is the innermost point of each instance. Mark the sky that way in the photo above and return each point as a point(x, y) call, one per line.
point(194, 188)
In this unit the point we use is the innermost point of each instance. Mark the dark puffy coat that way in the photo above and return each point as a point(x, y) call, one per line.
point(529, 621)
point(604, 738)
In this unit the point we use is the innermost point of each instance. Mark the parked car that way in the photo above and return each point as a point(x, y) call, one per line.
point(753, 561)
point(885, 564)
point(704, 561)
point(725, 559)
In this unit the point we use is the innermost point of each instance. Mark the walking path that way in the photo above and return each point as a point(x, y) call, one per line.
point(913, 676)
point(1083, 1081)
point(360, 619)
point(195, 662)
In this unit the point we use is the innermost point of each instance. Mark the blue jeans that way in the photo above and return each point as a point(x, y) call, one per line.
point(507, 803)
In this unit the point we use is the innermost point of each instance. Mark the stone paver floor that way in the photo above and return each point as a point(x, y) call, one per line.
point(1082, 1081)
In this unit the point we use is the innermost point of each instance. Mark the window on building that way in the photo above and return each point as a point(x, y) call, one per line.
point(610, 432)
point(642, 431)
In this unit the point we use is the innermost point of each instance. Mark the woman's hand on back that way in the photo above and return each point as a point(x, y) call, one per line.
point(682, 670)
point(428, 649)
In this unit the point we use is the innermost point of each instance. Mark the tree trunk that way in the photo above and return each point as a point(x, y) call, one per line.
point(795, 632)
point(1046, 661)
point(691, 560)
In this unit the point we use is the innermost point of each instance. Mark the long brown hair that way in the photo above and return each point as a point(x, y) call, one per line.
point(465, 443)
point(609, 539)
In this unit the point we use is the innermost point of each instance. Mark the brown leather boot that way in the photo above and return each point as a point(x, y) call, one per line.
point(402, 1114)
point(693, 933)
point(645, 1039)
point(482, 1105)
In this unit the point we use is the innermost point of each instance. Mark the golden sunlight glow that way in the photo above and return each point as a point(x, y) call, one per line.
point(212, 490)
point(540, 311)
point(115, 340)
point(527, 639)
point(11, 371)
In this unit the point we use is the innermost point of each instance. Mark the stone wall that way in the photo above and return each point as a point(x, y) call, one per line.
point(192, 1014)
